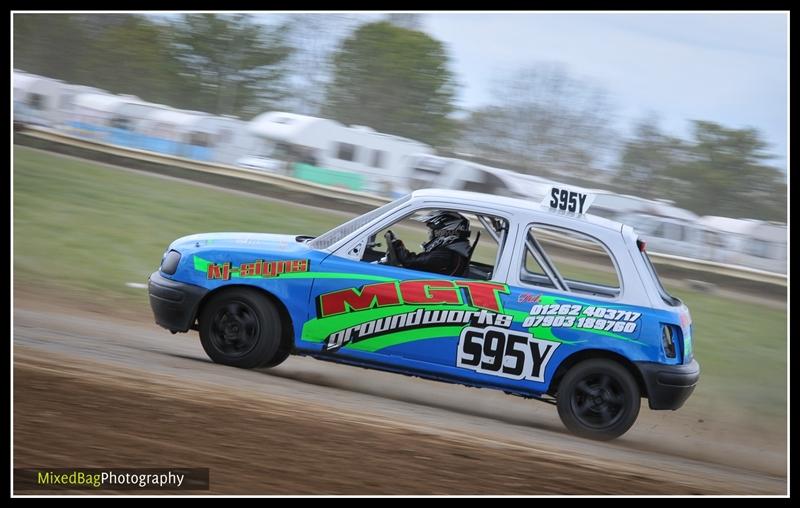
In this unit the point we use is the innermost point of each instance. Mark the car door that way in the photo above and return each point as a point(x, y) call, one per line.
point(547, 311)
point(375, 313)
point(567, 294)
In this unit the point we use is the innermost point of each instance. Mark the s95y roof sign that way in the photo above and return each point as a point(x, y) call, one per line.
point(568, 199)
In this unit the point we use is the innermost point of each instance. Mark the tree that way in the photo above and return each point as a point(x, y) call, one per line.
point(393, 80)
point(647, 161)
point(407, 20)
point(53, 45)
point(545, 119)
point(133, 56)
point(314, 38)
point(121, 53)
point(726, 174)
point(237, 64)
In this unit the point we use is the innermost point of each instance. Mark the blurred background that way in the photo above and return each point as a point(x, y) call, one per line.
point(677, 122)
point(682, 126)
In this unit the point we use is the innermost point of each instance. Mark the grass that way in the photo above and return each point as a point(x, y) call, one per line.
point(85, 230)
point(81, 226)
point(742, 351)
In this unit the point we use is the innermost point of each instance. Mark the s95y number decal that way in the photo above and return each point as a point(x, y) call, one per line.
point(503, 352)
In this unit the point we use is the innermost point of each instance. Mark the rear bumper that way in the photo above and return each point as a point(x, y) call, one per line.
point(174, 303)
point(668, 386)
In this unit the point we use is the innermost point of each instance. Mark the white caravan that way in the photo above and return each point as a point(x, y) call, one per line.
point(225, 138)
point(379, 160)
point(750, 242)
point(433, 171)
point(37, 98)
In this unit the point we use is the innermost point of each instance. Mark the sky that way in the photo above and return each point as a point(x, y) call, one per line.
point(725, 67)
point(729, 68)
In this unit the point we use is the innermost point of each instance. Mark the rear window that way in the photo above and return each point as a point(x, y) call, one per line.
point(652, 269)
point(563, 258)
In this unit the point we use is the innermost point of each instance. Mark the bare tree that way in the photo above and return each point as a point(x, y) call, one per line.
point(407, 20)
point(315, 37)
point(545, 120)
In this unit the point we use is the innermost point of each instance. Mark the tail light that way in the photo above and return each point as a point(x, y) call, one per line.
point(668, 341)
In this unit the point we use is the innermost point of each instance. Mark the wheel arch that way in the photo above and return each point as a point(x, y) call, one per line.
point(589, 354)
point(287, 335)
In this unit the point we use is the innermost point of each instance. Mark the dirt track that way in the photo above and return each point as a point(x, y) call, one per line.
point(97, 391)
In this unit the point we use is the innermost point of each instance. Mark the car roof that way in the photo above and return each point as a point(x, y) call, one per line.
point(514, 203)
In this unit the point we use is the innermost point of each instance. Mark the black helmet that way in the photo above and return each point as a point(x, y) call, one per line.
point(446, 229)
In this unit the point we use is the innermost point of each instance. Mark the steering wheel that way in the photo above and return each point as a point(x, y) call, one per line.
point(391, 254)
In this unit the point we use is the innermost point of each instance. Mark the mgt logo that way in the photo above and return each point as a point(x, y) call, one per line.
point(483, 295)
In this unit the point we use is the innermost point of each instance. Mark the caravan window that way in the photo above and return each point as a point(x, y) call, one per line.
point(761, 249)
point(121, 122)
point(488, 184)
point(225, 135)
point(378, 158)
point(670, 231)
point(199, 139)
point(425, 172)
point(346, 152)
point(36, 101)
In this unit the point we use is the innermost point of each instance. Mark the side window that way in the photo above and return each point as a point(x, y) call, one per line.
point(378, 159)
point(121, 122)
point(225, 135)
point(759, 248)
point(414, 234)
point(674, 232)
point(346, 152)
point(556, 257)
point(199, 139)
point(422, 177)
point(533, 266)
point(36, 101)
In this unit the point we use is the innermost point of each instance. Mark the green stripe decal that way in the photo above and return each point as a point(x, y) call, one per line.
point(540, 332)
point(317, 329)
point(334, 275)
point(201, 265)
point(404, 337)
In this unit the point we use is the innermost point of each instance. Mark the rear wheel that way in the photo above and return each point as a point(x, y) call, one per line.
point(242, 328)
point(598, 399)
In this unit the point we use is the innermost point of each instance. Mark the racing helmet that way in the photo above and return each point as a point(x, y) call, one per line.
point(446, 228)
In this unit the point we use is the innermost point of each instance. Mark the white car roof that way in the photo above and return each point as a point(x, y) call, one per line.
point(511, 204)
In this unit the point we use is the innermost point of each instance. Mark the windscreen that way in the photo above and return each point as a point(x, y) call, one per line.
point(334, 235)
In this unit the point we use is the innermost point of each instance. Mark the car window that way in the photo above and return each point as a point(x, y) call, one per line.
point(414, 234)
point(334, 235)
point(533, 266)
point(569, 260)
point(668, 298)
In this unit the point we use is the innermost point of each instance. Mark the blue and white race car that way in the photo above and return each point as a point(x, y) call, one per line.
point(556, 304)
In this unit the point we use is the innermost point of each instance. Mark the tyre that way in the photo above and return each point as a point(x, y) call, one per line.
point(598, 399)
point(241, 327)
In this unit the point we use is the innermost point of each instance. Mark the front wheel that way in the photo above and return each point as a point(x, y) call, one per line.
point(598, 399)
point(242, 328)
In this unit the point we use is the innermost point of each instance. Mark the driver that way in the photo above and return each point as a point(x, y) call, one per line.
point(447, 249)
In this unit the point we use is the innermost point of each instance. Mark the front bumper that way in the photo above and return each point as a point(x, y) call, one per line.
point(668, 386)
point(174, 303)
